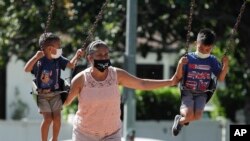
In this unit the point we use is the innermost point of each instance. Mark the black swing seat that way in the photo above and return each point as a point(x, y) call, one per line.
point(62, 91)
point(211, 88)
point(210, 91)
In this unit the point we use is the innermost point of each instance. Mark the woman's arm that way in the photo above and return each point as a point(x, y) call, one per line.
point(130, 81)
point(75, 88)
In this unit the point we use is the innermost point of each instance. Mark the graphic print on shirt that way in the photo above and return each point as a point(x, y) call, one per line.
point(46, 80)
point(198, 77)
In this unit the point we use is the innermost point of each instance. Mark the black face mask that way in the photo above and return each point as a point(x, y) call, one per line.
point(101, 65)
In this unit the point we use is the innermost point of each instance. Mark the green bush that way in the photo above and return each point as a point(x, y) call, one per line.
point(227, 103)
point(160, 104)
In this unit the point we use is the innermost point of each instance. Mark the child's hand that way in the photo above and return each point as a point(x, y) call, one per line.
point(80, 53)
point(39, 54)
point(183, 60)
point(174, 80)
point(225, 60)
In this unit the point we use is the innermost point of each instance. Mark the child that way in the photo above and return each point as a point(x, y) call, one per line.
point(46, 66)
point(196, 70)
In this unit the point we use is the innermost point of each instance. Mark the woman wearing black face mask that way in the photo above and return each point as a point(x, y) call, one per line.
point(98, 115)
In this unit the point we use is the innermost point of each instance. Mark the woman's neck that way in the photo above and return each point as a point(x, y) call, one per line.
point(97, 75)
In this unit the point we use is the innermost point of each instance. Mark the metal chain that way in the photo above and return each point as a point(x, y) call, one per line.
point(235, 28)
point(190, 19)
point(91, 31)
point(52, 7)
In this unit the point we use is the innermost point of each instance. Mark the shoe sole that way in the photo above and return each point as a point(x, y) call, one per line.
point(174, 127)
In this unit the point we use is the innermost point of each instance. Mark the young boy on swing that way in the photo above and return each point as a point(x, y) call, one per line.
point(196, 70)
point(46, 65)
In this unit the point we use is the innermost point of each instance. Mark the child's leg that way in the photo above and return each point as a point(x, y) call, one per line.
point(187, 107)
point(56, 107)
point(56, 124)
point(47, 119)
point(187, 115)
point(199, 105)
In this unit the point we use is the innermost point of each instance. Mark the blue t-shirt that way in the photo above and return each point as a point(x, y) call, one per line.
point(198, 72)
point(48, 72)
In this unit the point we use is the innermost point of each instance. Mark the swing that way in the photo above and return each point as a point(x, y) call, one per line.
point(64, 86)
point(213, 82)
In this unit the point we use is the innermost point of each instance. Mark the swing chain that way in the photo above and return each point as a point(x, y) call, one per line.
point(235, 28)
point(52, 7)
point(190, 19)
point(91, 31)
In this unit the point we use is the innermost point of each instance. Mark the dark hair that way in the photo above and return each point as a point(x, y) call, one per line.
point(94, 45)
point(47, 39)
point(206, 36)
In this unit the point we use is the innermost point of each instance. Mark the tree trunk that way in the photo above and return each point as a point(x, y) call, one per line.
point(3, 93)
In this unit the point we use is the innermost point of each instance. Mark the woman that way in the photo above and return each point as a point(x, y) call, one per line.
point(98, 115)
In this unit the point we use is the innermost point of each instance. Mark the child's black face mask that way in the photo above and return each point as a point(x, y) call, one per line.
point(101, 65)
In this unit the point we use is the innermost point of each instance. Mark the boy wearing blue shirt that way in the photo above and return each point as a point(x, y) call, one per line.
point(46, 65)
point(196, 70)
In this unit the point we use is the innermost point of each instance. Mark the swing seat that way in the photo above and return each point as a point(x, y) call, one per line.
point(211, 88)
point(210, 91)
point(63, 90)
point(34, 91)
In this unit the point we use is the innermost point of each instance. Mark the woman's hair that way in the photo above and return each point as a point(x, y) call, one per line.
point(92, 47)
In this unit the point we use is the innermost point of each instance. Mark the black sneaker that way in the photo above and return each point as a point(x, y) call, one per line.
point(176, 126)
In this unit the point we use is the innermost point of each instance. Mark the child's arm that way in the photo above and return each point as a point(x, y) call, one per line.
point(179, 70)
point(74, 60)
point(224, 70)
point(30, 64)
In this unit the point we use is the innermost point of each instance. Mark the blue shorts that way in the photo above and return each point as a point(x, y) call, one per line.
point(190, 99)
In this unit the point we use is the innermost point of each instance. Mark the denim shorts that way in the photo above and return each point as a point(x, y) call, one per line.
point(193, 100)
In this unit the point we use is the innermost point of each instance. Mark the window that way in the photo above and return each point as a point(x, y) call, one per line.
point(149, 71)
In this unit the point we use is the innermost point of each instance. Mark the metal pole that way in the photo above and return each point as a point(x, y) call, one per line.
point(130, 65)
